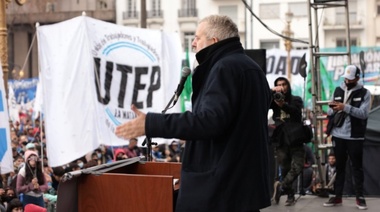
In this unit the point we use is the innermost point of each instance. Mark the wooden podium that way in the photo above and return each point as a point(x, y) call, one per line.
point(135, 187)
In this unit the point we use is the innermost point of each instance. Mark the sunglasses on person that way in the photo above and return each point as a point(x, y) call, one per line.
point(33, 157)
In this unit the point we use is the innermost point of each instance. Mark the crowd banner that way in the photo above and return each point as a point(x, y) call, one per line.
point(22, 94)
point(277, 66)
point(6, 159)
point(91, 72)
point(13, 108)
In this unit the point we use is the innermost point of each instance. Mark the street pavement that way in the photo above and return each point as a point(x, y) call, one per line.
point(312, 203)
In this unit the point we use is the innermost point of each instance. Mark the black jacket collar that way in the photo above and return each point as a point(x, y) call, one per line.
point(220, 48)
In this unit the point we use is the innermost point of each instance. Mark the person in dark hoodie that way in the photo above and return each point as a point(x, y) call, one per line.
point(290, 157)
point(225, 161)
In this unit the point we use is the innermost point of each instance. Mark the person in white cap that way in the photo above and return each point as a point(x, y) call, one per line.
point(348, 114)
point(30, 146)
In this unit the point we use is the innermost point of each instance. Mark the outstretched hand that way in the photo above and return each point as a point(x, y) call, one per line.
point(133, 128)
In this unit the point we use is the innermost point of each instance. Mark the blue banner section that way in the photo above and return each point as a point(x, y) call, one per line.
point(1, 102)
point(24, 90)
point(3, 143)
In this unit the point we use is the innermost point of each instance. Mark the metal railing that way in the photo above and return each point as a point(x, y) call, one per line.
point(155, 14)
point(190, 12)
point(130, 15)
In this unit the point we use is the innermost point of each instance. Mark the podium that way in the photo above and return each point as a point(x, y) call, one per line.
point(147, 186)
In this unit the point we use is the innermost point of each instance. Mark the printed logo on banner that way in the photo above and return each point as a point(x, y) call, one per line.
point(126, 65)
point(24, 90)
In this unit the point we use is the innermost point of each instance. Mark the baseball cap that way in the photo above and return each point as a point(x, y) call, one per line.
point(351, 72)
point(30, 146)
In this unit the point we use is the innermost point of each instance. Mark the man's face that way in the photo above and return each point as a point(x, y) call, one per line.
point(23, 139)
point(132, 143)
point(201, 41)
point(332, 160)
point(354, 81)
point(10, 193)
point(18, 162)
point(284, 85)
point(30, 132)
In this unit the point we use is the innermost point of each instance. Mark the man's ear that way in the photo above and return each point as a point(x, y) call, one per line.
point(215, 40)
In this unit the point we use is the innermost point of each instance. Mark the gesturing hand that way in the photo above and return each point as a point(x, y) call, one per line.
point(133, 128)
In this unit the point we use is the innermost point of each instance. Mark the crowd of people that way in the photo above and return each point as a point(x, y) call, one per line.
point(33, 181)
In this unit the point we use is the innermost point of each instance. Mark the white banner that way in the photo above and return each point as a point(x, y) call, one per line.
point(277, 66)
point(14, 108)
point(6, 159)
point(91, 72)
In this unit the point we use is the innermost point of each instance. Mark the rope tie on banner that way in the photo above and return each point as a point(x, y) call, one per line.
point(30, 49)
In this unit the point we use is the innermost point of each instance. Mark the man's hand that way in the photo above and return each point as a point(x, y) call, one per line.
point(278, 89)
point(336, 106)
point(133, 128)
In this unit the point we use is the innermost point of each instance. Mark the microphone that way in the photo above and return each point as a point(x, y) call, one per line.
point(185, 73)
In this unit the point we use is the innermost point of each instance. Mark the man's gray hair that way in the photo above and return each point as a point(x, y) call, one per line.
point(220, 26)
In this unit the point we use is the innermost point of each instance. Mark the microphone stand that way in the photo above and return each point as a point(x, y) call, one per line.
point(147, 140)
point(170, 102)
point(149, 143)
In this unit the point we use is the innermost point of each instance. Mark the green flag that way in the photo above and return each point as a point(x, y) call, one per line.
point(327, 87)
point(327, 84)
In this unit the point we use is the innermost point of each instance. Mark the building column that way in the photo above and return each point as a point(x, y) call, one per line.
point(4, 43)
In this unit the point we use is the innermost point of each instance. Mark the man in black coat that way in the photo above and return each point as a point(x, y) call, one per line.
point(225, 161)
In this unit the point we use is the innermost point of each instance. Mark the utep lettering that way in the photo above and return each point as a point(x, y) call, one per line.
point(126, 70)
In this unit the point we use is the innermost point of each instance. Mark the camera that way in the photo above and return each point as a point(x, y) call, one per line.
point(278, 96)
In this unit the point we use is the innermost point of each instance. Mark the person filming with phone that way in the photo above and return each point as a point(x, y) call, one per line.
point(348, 115)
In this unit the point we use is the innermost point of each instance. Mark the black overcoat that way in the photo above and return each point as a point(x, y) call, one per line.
point(225, 162)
